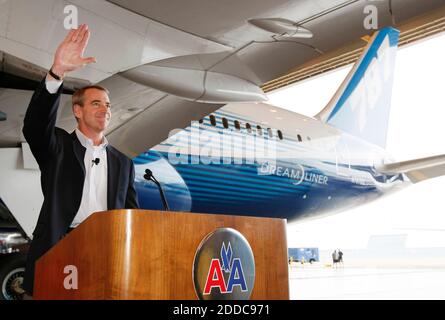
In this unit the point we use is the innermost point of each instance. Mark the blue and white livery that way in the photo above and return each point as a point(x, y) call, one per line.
point(241, 160)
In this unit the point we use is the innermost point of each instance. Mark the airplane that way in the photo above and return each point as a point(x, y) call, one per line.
point(239, 160)
point(188, 83)
point(203, 79)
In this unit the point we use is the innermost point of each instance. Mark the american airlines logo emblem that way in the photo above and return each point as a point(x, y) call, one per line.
point(224, 266)
point(233, 267)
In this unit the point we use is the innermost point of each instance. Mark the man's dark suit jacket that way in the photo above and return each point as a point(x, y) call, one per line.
point(60, 156)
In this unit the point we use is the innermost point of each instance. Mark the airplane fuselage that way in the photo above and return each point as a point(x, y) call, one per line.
point(231, 163)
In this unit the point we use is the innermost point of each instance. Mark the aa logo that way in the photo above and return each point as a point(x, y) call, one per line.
point(228, 264)
point(224, 266)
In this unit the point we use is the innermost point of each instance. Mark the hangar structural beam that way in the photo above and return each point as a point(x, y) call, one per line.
point(415, 29)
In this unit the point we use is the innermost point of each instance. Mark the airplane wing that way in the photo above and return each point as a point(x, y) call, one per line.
point(417, 170)
point(175, 61)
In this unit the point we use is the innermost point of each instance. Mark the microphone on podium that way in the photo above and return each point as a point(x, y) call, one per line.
point(149, 176)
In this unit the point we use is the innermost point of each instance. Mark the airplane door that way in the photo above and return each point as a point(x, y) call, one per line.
point(343, 159)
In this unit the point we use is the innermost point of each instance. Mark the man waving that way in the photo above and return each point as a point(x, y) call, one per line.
point(80, 172)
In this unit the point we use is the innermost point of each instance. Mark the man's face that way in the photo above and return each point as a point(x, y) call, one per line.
point(95, 113)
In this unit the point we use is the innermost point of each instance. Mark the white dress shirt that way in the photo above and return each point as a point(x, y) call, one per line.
point(94, 194)
point(53, 85)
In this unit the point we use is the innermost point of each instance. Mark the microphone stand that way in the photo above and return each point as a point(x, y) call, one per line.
point(149, 176)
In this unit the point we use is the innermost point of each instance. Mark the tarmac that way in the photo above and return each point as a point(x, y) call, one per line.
point(324, 282)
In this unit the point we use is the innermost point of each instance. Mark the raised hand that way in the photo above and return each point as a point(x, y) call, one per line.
point(69, 54)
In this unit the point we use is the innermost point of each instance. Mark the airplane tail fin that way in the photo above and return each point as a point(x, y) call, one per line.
point(416, 170)
point(361, 105)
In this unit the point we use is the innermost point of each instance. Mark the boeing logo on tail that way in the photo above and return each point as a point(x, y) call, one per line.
point(364, 98)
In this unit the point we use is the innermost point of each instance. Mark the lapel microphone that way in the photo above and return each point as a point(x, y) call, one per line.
point(95, 161)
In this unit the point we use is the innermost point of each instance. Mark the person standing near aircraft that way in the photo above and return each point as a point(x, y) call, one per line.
point(80, 172)
point(334, 258)
point(340, 257)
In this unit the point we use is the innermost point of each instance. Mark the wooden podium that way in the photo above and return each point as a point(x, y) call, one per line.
point(141, 254)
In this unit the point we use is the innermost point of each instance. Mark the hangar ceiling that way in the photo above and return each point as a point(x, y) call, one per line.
point(416, 29)
point(337, 26)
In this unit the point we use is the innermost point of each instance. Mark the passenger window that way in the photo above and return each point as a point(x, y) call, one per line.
point(280, 134)
point(225, 123)
point(201, 121)
point(260, 130)
point(249, 128)
point(308, 138)
point(212, 120)
point(269, 131)
point(237, 125)
point(299, 138)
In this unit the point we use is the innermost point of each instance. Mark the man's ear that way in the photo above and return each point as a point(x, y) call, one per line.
point(77, 111)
